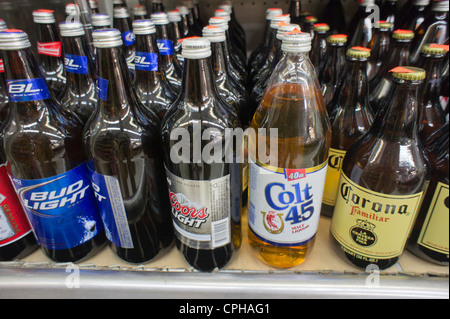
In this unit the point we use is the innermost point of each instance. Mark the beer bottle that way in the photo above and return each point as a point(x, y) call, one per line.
point(46, 163)
point(389, 13)
point(140, 12)
point(336, 21)
point(434, 29)
point(351, 117)
point(153, 89)
point(123, 146)
point(384, 176)
point(170, 65)
point(237, 42)
point(308, 25)
point(234, 23)
point(49, 50)
point(414, 15)
point(333, 66)
point(122, 22)
point(263, 46)
point(286, 186)
point(360, 28)
point(234, 94)
point(204, 188)
point(429, 238)
point(295, 10)
point(380, 47)
point(186, 31)
point(80, 93)
point(157, 6)
point(94, 6)
point(119, 4)
point(194, 27)
point(197, 14)
point(398, 55)
point(432, 115)
point(175, 34)
point(101, 21)
point(319, 46)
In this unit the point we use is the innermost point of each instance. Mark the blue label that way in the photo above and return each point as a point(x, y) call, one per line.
point(28, 90)
point(75, 63)
point(146, 61)
point(165, 47)
point(128, 38)
point(112, 209)
point(62, 209)
point(102, 88)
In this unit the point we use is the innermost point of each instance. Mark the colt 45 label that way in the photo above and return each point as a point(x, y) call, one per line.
point(285, 204)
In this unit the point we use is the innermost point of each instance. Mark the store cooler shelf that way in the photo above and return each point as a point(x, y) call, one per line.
point(323, 275)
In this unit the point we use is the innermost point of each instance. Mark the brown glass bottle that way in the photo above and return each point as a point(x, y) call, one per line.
point(361, 27)
point(122, 141)
point(414, 15)
point(308, 25)
point(44, 149)
point(379, 45)
point(398, 55)
point(384, 176)
point(389, 12)
point(319, 46)
point(122, 22)
point(429, 238)
point(204, 225)
point(336, 21)
point(352, 117)
point(432, 115)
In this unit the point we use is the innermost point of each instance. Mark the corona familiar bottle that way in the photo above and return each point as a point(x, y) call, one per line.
point(319, 46)
point(380, 47)
point(287, 179)
point(352, 117)
point(430, 236)
point(383, 179)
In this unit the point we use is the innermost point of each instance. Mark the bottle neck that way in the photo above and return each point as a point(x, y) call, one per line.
point(49, 46)
point(122, 24)
point(165, 45)
point(355, 92)
point(295, 9)
point(198, 83)
point(148, 73)
point(431, 90)
point(219, 61)
point(398, 55)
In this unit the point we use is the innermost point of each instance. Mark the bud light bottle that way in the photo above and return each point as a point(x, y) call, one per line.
point(122, 22)
point(152, 87)
point(49, 50)
point(288, 149)
point(43, 146)
point(124, 150)
point(204, 185)
point(80, 94)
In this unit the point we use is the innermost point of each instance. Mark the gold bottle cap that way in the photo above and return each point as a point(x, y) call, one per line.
point(403, 34)
point(384, 25)
point(434, 49)
point(321, 27)
point(337, 39)
point(358, 53)
point(311, 19)
point(408, 73)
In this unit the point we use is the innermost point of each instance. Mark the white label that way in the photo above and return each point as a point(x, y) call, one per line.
point(201, 211)
point(285, 204)
point(6, 230)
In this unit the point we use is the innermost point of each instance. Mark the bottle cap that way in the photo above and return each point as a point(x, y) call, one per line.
point(160, 18)
point(143, 27)
point(286, 28)
point(139, 10)
point(384, 25)
point(107, 38)
point(311, 19)
point(421, 2)
point(93, 4)
point(184, 11)
point(222, 13)
point(196, 48)
point(73, 29)
point(3, 25)
point(272, 12)
point(296, 42)
point(121, 12)
point(440, 6)
point(403, 34)
point(321, 27)
point(358, 53)
point(44, 16)
point(14, 39)
point(408, 73)
point(101, 20)
point(434, 49)
point(226, 6)
point(280, 18)
point(337, 39)
point(174, 16)
point(220, 22)
point(214, 33)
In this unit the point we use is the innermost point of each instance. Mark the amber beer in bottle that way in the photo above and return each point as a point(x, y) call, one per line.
point(46, 162)
point(286, 186)
point(123, 145)
point(384, 176)
point(351, 118)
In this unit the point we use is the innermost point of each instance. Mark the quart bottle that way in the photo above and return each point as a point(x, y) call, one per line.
point(123, 145)
point(288, 153)
point(379, 45)
point(122, 22)
point(384, 176)
point(43, 145)
point(204, 184)
point(351, 118)
point(430, 236)
point(319, 46)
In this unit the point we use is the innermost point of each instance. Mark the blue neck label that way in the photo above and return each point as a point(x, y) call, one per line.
point(75, 63)
point(102, 88)
point(28, 90)
point(165, 46)
point(146, 61)
point(128, 38)
point(62, 209)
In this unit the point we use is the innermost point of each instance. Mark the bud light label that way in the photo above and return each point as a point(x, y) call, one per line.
point(75, 63)
point(61, 209)
point(28, 90)
point(165, 47)
point(112, 209)
point(285, 204)
point(128, 38)
point(146, 61)
point(102, 88)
